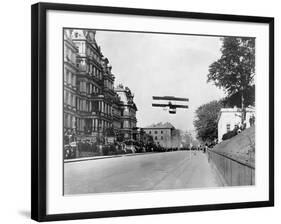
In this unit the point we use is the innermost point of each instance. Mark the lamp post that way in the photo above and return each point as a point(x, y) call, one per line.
point(99, 138)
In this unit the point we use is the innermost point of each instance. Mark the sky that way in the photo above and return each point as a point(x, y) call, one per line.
point(163, 65)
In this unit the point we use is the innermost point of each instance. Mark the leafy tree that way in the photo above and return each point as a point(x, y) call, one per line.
point(234, 71)
point(235, 99)
point(205, 121)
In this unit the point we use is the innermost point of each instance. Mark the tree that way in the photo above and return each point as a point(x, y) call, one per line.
point(235, 99)
point(205, 121)
point(234, 71)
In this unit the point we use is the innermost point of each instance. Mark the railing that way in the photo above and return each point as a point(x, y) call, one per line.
point(234, 172)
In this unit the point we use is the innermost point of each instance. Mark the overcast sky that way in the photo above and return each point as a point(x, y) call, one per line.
point(163, 65)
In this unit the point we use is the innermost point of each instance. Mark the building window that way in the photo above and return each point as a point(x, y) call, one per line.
point(73, 81)
point(161, 132)
point(83, 48)
point(94, 71)
point(73, 122)
point(155, 132)
point(77, 103)
point(66, 77)
point(162, 138)
point(65, 119)
point(65, 74)
point(71, 100)
point(66, 98)
point(150, 132)
point(69, 78)
point(155, 138)
point(228, 128)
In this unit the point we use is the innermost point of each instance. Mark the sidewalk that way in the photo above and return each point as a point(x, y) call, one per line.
point(106, 157)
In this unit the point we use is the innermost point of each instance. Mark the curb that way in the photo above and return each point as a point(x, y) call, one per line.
point(106, 157)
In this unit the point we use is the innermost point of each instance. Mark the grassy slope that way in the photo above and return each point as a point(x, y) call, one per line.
point(241, 147)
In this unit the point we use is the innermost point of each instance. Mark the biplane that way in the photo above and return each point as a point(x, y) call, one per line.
point(172, 106)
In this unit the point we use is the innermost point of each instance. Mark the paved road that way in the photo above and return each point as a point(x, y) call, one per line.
point(170, 170)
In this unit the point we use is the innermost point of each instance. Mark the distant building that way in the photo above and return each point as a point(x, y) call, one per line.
point(116, 113)
point(164, 134)
point(128, 111)
point(146, 138)
point(229, 117)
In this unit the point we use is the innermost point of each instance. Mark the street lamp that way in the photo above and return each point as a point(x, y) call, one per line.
point(99, 138)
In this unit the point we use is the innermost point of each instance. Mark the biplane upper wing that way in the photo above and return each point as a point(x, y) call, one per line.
point(169, 98)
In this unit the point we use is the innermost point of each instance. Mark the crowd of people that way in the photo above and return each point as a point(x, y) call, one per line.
point(87, 148)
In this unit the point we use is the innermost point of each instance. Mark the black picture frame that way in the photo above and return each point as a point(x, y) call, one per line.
point(39, 115)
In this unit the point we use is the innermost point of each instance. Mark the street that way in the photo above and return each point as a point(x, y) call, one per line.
point(170, 170)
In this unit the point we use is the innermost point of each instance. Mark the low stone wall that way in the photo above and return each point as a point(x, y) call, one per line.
point(234, 172)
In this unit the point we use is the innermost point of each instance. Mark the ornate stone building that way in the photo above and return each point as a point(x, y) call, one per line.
point(70, 89)
point(95, 86)
point(92, 107)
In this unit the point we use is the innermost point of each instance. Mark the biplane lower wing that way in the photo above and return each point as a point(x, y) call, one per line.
point(160, 105)
point(179, 106)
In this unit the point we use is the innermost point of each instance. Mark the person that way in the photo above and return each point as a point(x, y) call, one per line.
point(205, 148)
point(100, 149)
point(244, 125)
point(215, 141)
point(67, 152)
point(253, 119)
point(237, 128)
